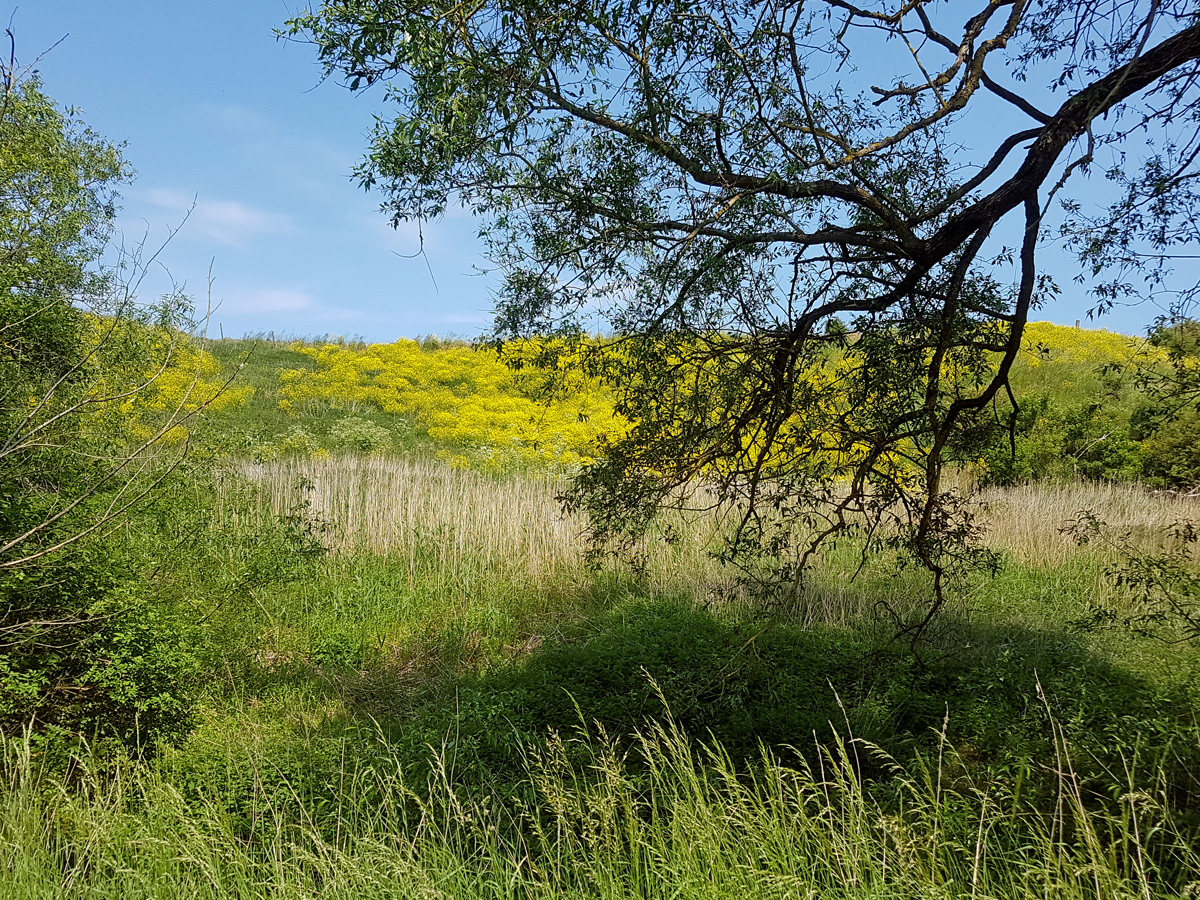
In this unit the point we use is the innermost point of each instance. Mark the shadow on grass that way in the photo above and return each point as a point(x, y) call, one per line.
point(749, 684)
point(753, 683)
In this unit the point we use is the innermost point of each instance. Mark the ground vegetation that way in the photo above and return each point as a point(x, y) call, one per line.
point(350, 646)
point(401, 675)
point(720, 183)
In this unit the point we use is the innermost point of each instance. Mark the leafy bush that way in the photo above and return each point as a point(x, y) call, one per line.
point(1170, 446)
point(95, 394)
point(1168, 423)
point(299, 441)
point(1088, 440)
point(86, 654)
point(296, 441)
point(361, 435)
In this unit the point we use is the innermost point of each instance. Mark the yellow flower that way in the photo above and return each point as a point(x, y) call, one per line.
point(464, 397)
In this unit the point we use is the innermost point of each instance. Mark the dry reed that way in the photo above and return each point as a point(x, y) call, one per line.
point(457, 519)
point(452, 522)
point(1026, 521)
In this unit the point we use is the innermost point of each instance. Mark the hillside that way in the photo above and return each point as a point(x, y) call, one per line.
point(371, 660)
point(1076, 387)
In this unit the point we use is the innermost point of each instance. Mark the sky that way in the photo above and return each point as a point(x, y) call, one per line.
point(219, 117)
point(216, 113)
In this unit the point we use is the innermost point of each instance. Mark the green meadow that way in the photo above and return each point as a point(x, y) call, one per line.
point(368, 662)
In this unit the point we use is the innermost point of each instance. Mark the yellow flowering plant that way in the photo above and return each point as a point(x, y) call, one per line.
point(483, 410)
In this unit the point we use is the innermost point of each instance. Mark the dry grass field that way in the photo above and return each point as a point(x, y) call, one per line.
point(456, 522)
point(1026, 521)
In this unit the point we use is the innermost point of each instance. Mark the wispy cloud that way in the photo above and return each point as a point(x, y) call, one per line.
point(311, 163)
point(227, 221)
point(266, 300)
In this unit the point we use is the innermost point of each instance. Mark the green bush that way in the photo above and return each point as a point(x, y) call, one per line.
point(86, 654)
point(1170, 445)
point(298, 441)
point(359, 434)
point(1167, 422)
point(1088, 440)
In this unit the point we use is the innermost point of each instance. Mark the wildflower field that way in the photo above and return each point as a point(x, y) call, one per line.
point(458, 396)
point(470, 406)
point(372, 662)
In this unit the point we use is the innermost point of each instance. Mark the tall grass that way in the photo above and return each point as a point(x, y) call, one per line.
point(669, 818)
point(453, 526)
point(385, 504)
point(455, 520)
point(1026, 521)
point(456, 525)
point(304, 782)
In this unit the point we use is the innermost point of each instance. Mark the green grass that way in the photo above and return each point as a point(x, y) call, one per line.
point(446, 702)
point(586, 821)
point(260, 426)
point(421, 638)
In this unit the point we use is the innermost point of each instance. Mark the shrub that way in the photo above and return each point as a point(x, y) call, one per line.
point(87, 654)
point(361, 435)
point(1089, 440)
point(1170, 446)
point(1168, 424)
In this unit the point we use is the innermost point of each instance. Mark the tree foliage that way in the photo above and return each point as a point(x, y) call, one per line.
point(89, 413)
point(56, 190)
point(1168, 423)
point(718, 182)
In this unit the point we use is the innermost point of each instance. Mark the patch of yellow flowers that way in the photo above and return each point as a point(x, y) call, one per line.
point(1077, 345)
point(462, 397)
point(191, 381)
point(471, 401)
point(146, 381)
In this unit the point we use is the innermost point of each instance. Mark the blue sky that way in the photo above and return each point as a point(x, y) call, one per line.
point(214, 110)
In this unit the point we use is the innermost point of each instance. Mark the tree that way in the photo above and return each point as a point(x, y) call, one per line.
point(82, 645)
point(717, 181)
point(74, 346)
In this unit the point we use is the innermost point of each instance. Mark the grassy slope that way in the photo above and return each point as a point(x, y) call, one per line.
point(526, 639)
point(1058, 364)
point(453, 622)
